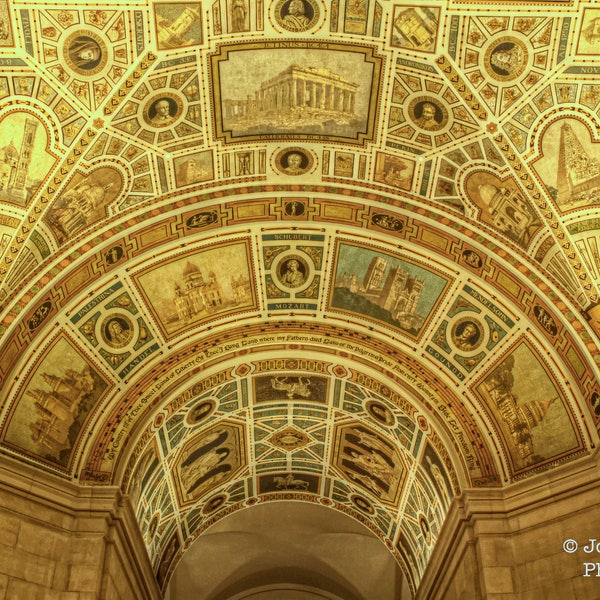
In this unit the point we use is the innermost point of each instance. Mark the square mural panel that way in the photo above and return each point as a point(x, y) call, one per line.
point(6, 34)
point(415, 27)
point(384, 288)
point(198, 287)
point(178, 24)
point(194, 168)
point(307, 91)
point(590, 32)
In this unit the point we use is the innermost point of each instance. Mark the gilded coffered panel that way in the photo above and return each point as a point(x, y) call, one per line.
point(293, 415)
point(505, 57)
point(342, 253)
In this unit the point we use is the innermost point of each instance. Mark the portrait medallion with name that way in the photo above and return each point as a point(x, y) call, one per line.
point(294, 161)
point(467, 334)
point(427, 113)
point(292, 271)
point(163, 110)
point(117, 330)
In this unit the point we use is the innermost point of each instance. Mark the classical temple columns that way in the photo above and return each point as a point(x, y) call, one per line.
point(298, 87)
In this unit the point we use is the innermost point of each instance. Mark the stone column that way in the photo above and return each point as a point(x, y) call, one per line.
point(340, 100)
point(322, 89)
point(272, 101)
point(346, 101)
point(294, 91)
point(330, 97)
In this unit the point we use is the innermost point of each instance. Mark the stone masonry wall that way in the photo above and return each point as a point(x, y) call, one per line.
point(60, 541)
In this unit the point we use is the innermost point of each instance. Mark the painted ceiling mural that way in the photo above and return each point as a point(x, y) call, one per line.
point(341, 252)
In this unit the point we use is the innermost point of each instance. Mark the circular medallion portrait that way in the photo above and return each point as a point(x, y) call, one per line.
point(214, 503)
point(427, 114)
point(380, 413)
point(163, 110)
point(506, 59)
point(292, 271)
point(296, 15)
point(200, 411)
point(294, 161)
point(117, 331)
point(85, 53)
point(362, 504)
point(467, 334)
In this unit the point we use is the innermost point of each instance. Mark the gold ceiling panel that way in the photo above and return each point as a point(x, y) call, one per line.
point(339, 252)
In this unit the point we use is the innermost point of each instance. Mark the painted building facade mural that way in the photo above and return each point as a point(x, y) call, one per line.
point(529, 409)
point(54, 405)
point(184, 292)
point(569, 165)
point(384, 288)
point(84, 201)
point(311, 92)
point(24, 157)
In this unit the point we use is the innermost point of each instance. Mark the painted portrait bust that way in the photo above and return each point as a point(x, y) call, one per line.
point(296, 15)
point(85, 53)
point(467, 335)
point(163, 111)
point(428, 115)
point(293, 161)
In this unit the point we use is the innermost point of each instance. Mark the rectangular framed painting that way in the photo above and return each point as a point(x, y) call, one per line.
point(295, 90)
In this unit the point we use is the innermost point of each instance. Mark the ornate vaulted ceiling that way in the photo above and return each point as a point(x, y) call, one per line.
point(342, 252)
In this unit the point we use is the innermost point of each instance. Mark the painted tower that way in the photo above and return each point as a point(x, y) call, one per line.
point(19, 177)
point(578, 173)
point(374, 277)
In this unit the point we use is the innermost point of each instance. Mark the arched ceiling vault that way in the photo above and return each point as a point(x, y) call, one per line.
point(347, 258)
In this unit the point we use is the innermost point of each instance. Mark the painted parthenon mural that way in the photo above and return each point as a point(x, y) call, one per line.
point(298, 87)
point(299, 299)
